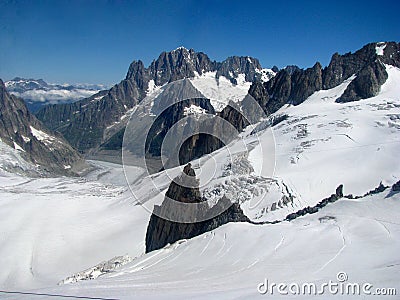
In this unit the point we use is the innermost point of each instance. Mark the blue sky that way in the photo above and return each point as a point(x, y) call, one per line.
point(95, 41)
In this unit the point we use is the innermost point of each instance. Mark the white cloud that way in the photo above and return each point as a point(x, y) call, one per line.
point(55, 96)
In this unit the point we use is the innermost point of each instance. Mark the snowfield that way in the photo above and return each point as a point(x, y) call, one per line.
point(359, 237)
point(220, 91)
point(55, 229)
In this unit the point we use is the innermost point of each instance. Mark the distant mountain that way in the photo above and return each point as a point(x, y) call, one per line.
point(46, 150)
point(38, 93)
point(93, 121)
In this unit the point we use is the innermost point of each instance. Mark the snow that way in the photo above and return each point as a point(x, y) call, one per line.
point(42, 136)
point(95, 99)
point(152, 87)
point(232, 260)
point(220, 91)
point(10, 159)
point(179, 48)
point(322, 144)
point(98, 270)
point(241, 79)
point(110, 173)
point(379, 48)
point(26, 139)
point(266, 74)
point(18, 147)
point(53, 228)
point(194, 110)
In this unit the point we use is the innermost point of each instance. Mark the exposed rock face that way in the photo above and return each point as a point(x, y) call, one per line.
point(305, 83)
point(275, 93)
point(366, 84)
point(289, 87)
point(311, 210)
point(161, 232)
point(198, 145)
point(196, 127)
point(294, 85)
point(178, 64)
point(22, 131)
point(84, 123)
point(235, 65)
point(396, 187)
point(168, 118)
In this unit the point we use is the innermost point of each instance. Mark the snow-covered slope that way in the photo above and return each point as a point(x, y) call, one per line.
point(358, 237)
point(54, 227)
point(318, 145)
point(70, 225)
point(220, 91)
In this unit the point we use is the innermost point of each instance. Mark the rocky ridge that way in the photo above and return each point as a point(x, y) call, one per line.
point(295, 85)
point(84, 123)
point(21, 130)
point(184, 189)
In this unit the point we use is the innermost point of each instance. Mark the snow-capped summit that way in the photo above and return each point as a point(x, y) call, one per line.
point(317, 179)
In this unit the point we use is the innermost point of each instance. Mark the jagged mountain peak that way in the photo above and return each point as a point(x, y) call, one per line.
point(92, 117)
point(182, 48)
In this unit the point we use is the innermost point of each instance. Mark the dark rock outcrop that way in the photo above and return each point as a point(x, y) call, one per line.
point(294, 85)
point(184, 189)
point(396, 187)
point(178, 64)
point(366, 84)
point(85, 123)
point(235, 65)
point(167, 119)
point(305, 83)
point(91, 122)
point(313, 209)
point(21, 130)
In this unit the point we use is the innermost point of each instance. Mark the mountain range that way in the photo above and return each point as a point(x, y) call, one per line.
point(38, 93)
point(95, 125)
point(92, 122)
point(311, 178)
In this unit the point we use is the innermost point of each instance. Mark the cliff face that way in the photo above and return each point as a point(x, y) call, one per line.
point(295, 85)
point(44, 148)
point(85, 123)
point(98, 122)
point(184, 189)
